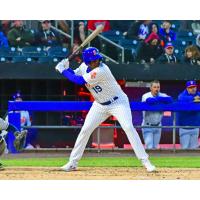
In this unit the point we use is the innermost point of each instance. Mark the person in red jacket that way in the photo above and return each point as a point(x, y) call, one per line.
point(92, 24)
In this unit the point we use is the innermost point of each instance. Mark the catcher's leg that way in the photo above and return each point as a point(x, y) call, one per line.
point(2, 147)
point(3, 124)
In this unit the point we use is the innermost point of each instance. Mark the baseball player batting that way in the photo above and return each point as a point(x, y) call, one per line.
point(109, 100)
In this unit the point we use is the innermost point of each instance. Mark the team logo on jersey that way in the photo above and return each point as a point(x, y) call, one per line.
point(93, 75)
point(87, 85)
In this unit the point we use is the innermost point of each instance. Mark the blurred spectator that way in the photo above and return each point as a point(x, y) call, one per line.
point(166, 33)
point(149, 50)
point(18, 36)
point(120, 25)
point(5, 26)
point(92, 24)
point(46, 36)
point(189, 136)
point(185, 25)
point(153, 28)
point(192, 55)
point(196, 27)
point(152, 135)
point(133, 30)
point(64, 26)
point(198, 41)
point(3, 40)
point(143, 30)
point(168, 56)
point(79, 32)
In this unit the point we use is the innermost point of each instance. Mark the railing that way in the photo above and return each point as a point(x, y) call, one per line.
point(114, 44)
point(73, 106)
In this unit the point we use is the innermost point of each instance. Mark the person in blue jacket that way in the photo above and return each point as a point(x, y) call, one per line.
point(189, 136)
point(3, 40)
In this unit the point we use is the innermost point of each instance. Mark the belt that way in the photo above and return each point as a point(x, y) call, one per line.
point(109, 102)
point(148, 124)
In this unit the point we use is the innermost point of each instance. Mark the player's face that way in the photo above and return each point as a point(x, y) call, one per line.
point(46, 25)
point(154, 42)
point(189, 54)
point(18, 23)
point(18, 99)
point(154, 28)
point(166, 25)
point(94, 64)
point(155, 89)
point(192, 90)
point(169, 50)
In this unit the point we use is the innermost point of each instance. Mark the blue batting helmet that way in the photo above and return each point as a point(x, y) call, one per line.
point(91, 54)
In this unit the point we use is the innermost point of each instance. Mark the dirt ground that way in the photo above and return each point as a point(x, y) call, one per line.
point(97, 173)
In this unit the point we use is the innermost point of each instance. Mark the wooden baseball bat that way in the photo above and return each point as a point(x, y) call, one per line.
point(87, 40)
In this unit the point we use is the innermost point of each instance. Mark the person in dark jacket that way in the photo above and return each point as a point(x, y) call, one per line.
point(46, 36)
point(192, 55)
point(168, 56)
point(189, 136)
point(18, 36)
point(150, 49)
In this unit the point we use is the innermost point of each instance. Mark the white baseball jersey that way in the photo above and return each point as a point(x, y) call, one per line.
point(152, 117)
point(104, 87)
point(100, 82)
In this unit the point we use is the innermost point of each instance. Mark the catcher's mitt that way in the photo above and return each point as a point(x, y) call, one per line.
point(20, 139)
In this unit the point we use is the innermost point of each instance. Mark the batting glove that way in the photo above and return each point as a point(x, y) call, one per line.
point(65, 62)
point(62, 65)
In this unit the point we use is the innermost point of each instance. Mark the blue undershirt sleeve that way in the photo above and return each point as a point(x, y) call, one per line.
point(69, 74)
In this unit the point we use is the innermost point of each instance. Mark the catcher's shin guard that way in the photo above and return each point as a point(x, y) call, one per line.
point(20, 139)
point(2, 145)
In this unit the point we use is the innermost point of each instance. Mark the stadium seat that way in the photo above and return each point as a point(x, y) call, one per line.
point(175, 24)
point(33, 52)
point(130, 49)
point(21, 59)
point(178, 53)
point(47, 59)
point(113, 35)
point(9, 52)
point(180, 43)
point(184, 34)
point(3, 59)
point(58, 52)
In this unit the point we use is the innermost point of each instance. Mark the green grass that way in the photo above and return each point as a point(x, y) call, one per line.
point(182, 162)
